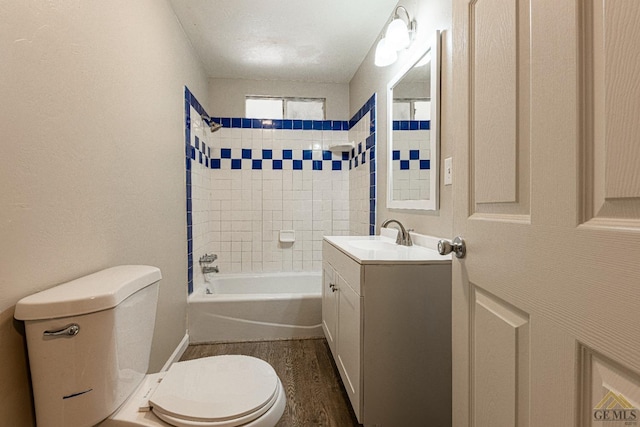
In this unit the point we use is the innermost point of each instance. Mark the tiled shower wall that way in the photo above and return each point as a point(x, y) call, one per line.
point(253, 178)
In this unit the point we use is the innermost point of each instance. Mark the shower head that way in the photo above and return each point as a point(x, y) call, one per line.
point(213, 126)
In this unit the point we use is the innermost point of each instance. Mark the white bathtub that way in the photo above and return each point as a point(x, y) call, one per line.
point(251, 307)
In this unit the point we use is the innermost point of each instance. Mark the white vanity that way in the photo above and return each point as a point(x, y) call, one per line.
point(386, 313)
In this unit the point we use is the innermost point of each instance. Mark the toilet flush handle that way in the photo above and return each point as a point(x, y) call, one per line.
point(67, 331)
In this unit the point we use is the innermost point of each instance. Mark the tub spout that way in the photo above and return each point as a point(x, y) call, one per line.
point(207, 269)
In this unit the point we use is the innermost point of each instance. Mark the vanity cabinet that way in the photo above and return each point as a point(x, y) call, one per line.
point(388, 325)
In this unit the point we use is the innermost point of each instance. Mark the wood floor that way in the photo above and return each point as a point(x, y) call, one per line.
point(315, 395)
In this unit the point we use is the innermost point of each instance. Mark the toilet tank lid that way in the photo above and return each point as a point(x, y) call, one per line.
point(98, 291)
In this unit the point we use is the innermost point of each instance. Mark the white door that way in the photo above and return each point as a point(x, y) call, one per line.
point(546, 304)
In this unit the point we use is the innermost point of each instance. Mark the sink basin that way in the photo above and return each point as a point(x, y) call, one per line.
point(374, 245)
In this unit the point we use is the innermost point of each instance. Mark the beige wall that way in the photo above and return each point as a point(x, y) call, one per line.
point(226, 96)
point(92, 167)
point(431, 15)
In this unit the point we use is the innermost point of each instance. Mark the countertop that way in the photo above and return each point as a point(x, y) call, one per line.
point(399, 255)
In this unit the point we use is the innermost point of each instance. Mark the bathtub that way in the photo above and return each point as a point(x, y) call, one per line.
point(254, 307)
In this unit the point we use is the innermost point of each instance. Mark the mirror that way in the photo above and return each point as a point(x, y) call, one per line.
point(413, 101)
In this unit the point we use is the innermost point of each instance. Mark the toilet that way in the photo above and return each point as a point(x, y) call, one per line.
point(89, 342)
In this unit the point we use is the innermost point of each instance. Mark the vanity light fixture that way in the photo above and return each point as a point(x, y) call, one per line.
point(398, 36)
point(385, 55)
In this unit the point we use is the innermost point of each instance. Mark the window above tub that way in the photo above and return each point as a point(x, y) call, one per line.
point(285, 108)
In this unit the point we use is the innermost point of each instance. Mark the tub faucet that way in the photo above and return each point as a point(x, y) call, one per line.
point(207, 269)
point(404, 238)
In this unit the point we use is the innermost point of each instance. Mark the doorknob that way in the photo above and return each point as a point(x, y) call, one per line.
point(457, 246)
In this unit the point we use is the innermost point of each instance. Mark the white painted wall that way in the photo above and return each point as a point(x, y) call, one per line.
point(92, 168)
point(226, 96)
point(431, 15)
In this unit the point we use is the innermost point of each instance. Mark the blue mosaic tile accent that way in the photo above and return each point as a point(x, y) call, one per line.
point(410, 160)
point(311, 159)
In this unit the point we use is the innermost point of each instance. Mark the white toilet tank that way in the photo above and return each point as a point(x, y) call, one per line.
point(89, 342)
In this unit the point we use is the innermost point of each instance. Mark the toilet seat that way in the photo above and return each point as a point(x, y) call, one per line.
point(217, 391)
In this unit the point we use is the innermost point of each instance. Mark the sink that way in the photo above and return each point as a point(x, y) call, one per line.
point(374, 245)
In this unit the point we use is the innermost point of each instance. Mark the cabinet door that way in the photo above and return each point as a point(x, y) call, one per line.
point(349, 341)
point(329, 305)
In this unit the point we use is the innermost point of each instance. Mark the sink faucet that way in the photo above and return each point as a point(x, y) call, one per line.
point(404, 238)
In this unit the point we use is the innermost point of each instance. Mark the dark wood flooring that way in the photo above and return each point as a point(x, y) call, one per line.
point(315, 395)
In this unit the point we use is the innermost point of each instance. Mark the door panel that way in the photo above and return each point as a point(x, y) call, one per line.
point(612, 84)
point(494, 130)
point(501, 362)
point(499, 138)
point(551, 272)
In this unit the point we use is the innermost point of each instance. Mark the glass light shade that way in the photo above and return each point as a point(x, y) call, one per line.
point(397, 35)
point(384, 55)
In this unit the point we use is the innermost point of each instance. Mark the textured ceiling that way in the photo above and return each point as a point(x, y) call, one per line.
point(294, 40)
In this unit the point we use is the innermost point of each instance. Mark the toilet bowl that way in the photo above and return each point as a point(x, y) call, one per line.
point(89, 342)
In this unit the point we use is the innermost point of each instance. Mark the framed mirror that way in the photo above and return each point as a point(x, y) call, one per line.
point(413, 108)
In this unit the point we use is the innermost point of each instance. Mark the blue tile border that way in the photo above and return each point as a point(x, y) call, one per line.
point(358, 156)
point(411, 125)
point(251, 123)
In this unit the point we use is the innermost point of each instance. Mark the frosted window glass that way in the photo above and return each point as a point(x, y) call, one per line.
point(401, 111)
point(264, 108)
point(304, 109)
point(422, 110)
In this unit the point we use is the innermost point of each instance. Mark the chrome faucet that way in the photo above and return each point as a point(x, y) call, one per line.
point(208, 259)
point(404, 238)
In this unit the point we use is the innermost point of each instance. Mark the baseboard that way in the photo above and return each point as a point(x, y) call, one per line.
point(178, 352)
